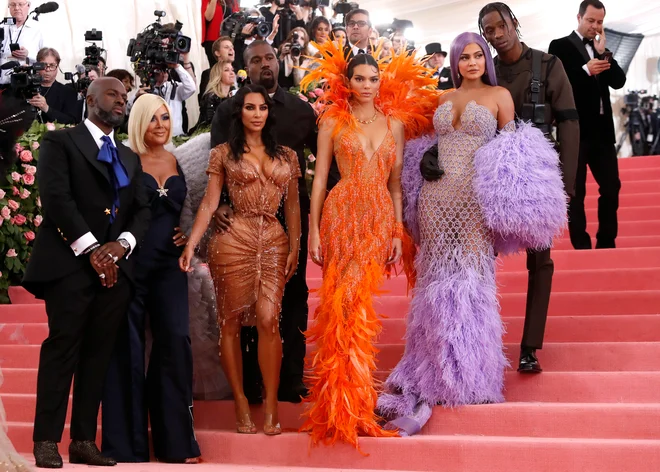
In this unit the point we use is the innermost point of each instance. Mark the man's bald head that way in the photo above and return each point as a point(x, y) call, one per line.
point(106, 102)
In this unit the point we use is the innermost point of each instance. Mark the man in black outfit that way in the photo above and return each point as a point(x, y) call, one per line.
point(296, 128)
point(436, 60)
point(591, 70)
point(95, 211)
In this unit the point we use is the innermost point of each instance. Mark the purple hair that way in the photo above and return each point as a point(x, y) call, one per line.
point(455, 51)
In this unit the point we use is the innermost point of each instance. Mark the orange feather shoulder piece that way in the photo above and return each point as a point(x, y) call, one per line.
point(407, 91)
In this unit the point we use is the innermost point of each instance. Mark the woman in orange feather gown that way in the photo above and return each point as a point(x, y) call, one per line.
point(356, 235)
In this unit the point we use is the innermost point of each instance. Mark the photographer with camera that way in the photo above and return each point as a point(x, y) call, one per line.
point(291, 15)
point(247, 26)
point(54, 101)
point(21, 41)
point(291, 55)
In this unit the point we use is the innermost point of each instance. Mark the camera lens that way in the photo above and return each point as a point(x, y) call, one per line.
point(296, 50)
point(263, 29)
point(182, 44)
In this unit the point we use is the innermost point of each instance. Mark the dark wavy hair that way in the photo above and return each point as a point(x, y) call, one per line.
point(237, 142)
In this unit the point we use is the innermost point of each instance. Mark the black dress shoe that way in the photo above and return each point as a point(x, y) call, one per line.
point(529, 364)
point(46, 455)
point(86, 452)
point(292, 393)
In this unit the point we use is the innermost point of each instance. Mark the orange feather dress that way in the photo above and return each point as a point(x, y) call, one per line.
point(357, 227)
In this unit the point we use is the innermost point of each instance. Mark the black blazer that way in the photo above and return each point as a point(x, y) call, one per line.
point(63, 105)
point(445, 73)
point(588, 91)
point(76, 193)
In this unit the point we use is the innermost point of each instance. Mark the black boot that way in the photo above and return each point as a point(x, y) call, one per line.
point(86, 452)
point(46, 455)
point(529, 364)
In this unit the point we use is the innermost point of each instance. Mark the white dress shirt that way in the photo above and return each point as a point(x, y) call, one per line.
point(184, 90)
point(27, 36)
point(592, 54)
point(87, 239)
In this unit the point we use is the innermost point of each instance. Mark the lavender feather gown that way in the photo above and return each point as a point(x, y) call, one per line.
point(454, 353)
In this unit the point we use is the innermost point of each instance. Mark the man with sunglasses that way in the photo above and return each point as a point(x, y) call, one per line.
point(21, 41)
point(55, 101)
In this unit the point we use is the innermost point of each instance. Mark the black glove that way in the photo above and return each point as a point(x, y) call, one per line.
point(429, 167)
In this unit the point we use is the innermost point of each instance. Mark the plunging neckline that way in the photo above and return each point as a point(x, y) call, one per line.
point(158, 184)
point(364, 153)
point(460, 118)
point(262, 175)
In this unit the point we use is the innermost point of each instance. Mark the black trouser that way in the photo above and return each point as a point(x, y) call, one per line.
point(208, 49)
point(83, 319)
point(600, 156)
point(293, 323)
point(166, 393)
point(539, 285)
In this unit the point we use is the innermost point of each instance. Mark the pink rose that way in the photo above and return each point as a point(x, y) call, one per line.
point(29, 235)
point(2, 193)
point(5, 212)
point(24, 194)
point(37, 220)
point(18, 148)
point(15, 176)
point(39, 202)
point(303, 98)
point(35, 145)
point(13, 205)
point(318, 92)
point(28, 179)
point(310, 171)
point(26, 156)
point(50, 126)
point(32, 170)
point(311, 158)
point(15, 191)
point(19, 220)
point(12, 253)
point(0, 274)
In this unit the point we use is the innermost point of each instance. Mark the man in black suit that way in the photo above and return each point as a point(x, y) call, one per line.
point(436, 61)
point(95, 212)
point(296, 128)
point(358, 28)
point(591, 70)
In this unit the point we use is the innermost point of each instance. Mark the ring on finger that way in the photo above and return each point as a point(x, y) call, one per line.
point(111, 256)
point(115, 259)
point(101, 276)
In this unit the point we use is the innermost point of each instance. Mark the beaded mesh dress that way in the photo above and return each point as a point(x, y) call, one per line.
point(454, 354)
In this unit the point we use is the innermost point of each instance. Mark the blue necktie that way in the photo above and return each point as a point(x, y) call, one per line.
point(118, 176)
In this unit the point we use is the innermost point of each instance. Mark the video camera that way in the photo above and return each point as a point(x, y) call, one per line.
point(157, 47)
point(344, 6)
point(234, 24)
point(93, 55)
point(25, 79)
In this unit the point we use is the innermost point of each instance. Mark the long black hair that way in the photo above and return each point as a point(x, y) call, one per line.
point(237, 142)
point(502, 9)
point(359, 60)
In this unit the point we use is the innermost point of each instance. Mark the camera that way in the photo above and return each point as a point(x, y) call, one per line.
point(156, 47)
point(234, 24)
point(296, 48)
point(344, 6)
point(10, 21)
point(25, 80)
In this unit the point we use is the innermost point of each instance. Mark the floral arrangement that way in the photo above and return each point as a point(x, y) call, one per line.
point(310, 95)
point(20, 208)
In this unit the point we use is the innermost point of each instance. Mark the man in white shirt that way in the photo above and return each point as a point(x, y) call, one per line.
point(358, 28)
point(27, 36)
point(174, 92)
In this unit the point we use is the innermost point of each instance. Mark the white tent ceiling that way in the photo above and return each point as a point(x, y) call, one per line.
point(541, 20)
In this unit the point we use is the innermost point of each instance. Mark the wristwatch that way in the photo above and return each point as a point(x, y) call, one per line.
point(125, 245)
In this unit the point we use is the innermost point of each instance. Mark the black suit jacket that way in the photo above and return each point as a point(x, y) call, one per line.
point(445, 73)
point(588, 91)
point(75, 192)
point(63, 105)
point(295, 126)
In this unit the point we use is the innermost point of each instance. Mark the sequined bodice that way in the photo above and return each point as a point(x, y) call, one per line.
point(354, 163)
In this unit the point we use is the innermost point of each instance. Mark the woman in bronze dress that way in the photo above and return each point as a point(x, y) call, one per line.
point(251, 263)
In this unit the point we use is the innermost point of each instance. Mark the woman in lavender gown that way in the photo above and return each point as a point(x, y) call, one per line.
point(454, 354)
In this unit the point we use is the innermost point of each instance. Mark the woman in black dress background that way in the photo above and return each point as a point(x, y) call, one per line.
point(164, 395)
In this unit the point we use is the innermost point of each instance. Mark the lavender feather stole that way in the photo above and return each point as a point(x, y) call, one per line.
point(412, 181)
point(520, 190)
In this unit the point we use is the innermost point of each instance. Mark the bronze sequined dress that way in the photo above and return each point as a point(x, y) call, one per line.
point(249, 261)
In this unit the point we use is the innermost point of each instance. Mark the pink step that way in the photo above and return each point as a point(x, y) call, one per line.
point(564, 281)
point(19, 295)
point(640, 213)
point(639, 162)
point(612, 328)
point(631, 174)
point(621, 242)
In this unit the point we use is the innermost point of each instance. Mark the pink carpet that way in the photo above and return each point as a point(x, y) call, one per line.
point(595, 408)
